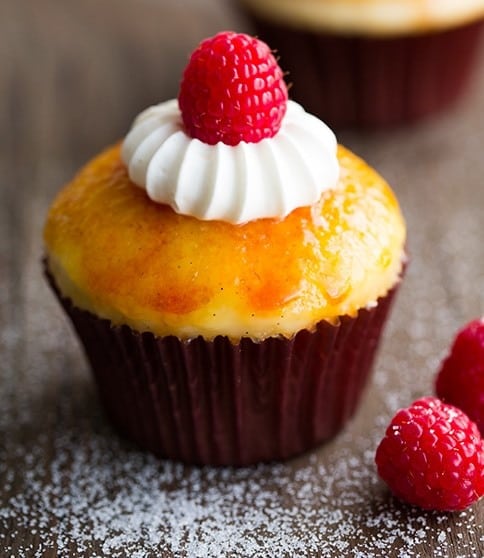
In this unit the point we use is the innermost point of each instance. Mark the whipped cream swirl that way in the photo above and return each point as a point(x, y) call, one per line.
point(237, 184)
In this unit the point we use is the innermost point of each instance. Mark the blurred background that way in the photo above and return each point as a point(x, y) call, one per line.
point(76, 73)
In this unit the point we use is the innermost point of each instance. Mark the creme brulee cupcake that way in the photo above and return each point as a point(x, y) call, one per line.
point(228, 268)
point(372, 62)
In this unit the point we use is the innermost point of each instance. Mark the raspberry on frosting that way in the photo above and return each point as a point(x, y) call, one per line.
point(202, 153)
point(461, 378)
point(432, 456)
point(232, 90)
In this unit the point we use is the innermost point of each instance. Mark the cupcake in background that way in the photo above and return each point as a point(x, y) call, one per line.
point(228, 268)
point(372, 63)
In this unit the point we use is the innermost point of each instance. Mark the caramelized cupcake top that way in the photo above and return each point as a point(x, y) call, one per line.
point(329, 245)
point(370, 17)
point(118, 254)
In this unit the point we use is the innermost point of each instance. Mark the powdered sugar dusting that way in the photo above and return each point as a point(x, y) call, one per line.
point(108, 499)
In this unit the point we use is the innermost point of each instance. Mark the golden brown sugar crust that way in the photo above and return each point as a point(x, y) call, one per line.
point(370, 17)
point(115, 252)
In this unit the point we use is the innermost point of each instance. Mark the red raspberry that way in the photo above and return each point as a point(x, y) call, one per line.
point(461, 378)
point(432, 456)
point(232, 90)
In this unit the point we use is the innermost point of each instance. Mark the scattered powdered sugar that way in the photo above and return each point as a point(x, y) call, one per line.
point(103, 497)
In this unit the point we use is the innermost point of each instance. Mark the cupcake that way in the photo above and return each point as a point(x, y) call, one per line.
point(227, 267)
point(372, 63)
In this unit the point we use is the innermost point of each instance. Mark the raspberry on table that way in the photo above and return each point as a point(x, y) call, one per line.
point(232, 90)
point(460, 380)
point(432, 456)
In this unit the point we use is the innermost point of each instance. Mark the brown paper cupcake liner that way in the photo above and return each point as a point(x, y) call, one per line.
point(220, 403)
point(374, 82)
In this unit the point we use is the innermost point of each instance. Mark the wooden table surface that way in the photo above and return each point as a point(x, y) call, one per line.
point(73, 75)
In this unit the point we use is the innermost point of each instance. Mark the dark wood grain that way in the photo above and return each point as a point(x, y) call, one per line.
point(73, 75)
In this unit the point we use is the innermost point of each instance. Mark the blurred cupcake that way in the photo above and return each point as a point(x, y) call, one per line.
point(372, 63)
point(228, 268)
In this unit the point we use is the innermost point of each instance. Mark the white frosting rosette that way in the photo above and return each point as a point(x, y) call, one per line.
point(237, 184)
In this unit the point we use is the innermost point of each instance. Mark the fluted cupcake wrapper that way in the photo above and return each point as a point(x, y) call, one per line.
point(373, 82)
point(220, 403)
